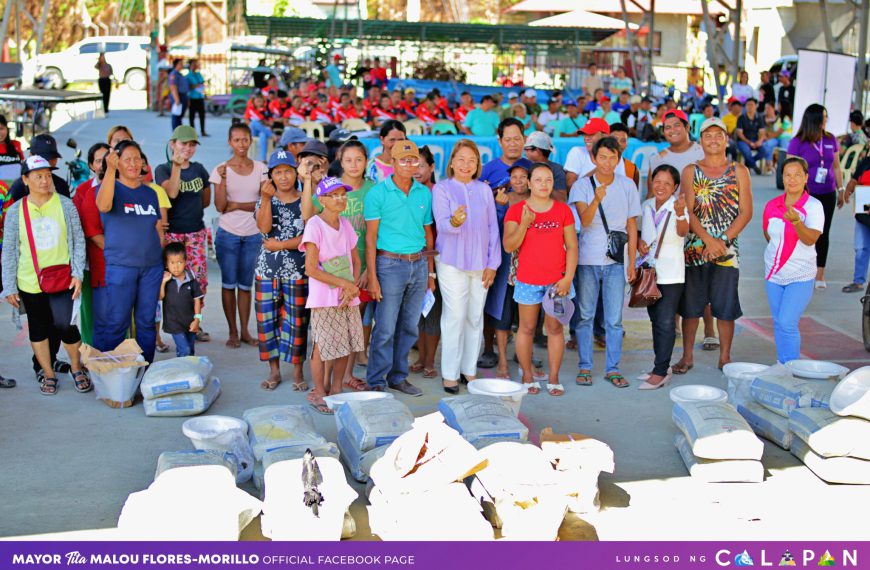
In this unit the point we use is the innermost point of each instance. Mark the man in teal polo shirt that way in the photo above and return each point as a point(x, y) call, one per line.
point(398, 213)
point(482, 121)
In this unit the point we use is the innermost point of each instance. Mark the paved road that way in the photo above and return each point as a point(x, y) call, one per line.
point(69, 462)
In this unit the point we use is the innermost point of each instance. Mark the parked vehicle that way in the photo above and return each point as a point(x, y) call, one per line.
point(126, 54)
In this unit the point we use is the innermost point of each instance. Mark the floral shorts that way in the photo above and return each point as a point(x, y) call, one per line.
point(336, 331)
point(195, 248)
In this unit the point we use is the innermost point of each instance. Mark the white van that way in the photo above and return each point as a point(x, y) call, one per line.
point(126, 54)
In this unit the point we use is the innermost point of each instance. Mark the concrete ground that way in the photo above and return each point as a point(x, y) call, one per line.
point(69, 462)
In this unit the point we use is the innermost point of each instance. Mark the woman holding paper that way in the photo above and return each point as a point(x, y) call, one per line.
point(469, 251)
point(792, 224)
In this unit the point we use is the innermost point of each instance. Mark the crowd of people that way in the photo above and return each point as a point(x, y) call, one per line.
point(354, 259)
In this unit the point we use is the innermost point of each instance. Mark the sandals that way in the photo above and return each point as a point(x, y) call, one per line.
point(584, 378)
point(48, 386)
point(7, 382)
point(710, 343)
point(270, 385)
point(571, 345)
point(853, 288)
point(429, 373)
point(299, 386)
point(487, 360)
point(681, 367)
point(82, 381)
point(617, 379)
point(321, 408)
point(532, 387)
point(415, 368)
point(556, 389)
point(355, 384)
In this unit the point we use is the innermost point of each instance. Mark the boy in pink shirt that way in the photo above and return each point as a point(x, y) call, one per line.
point(332, 265)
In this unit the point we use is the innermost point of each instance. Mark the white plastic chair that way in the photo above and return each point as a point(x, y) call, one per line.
point(415, 127)
point(640, 158)
point(312, 129)
point(438, 155)
point(356, 125)
point(486, 154)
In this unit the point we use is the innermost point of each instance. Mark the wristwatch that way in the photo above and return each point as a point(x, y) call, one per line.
point(683, 218)
point(433, 275)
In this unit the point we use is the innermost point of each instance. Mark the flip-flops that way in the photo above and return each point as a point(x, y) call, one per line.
point(710, 343)
point(583, 378)
point(617, 379)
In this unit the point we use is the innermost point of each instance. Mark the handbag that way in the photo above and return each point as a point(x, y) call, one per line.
point(644, 289)
point(52, 279)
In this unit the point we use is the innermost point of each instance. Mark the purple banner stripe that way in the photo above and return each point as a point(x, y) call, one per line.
point(433, 555)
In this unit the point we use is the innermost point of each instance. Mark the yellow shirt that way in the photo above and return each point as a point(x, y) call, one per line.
point(730, 122)
point(162, 198)
point(49, 237)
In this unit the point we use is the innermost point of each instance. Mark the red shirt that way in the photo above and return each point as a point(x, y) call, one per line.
point(425, 115)
point(85, 202)
point(409, 108)
point(318, 114)
point(380, 74)
point(542, 258)
point(460, 113)
point(294, 113)
point(342, 114)
point(377, 112)
point(369, 105)
point(16, 145)
point(253, 113)
point(277, 107)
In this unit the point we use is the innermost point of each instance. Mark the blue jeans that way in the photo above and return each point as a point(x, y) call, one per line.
point(765, 151)
point(610, 280)
point(598, 324)
point(237, 257)
point(403, 287)
point(131, 290)
point(99, 305)
point(862, 252)
point(184, 343)
point(177, 120)
point(258, 129)
point(787, 304)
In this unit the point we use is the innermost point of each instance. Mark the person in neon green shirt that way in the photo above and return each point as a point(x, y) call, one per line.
point(54, 238)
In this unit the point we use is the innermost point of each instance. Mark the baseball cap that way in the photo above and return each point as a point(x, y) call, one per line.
point(539, 139)
point(341, 136)
point(293, 135)
point(603, 98)
point(523, 163)
point(785, 73)
point(530, 93)
point(44, 146)
point(676, 113)
point(315, 147)
point(635, 100)
point(559, 307)
point(512, 95)
point(410, 90)
point(35, 162)
point(596, 125)
point(280, 157)
point(330, 184)
point(713, 122)
point(405, 149)
point(570, 103)
point(184, 133)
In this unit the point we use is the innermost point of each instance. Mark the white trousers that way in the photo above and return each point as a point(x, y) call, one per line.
point(463, 297)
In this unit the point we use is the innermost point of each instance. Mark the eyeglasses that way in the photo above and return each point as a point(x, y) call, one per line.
point(409, 162)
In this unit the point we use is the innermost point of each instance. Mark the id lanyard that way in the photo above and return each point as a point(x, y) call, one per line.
point(820, 148)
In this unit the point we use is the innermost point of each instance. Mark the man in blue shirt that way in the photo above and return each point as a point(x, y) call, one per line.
point(179, 89)
point(482, 121)
point(196, 82)
point(398, 213)
point(511, 140)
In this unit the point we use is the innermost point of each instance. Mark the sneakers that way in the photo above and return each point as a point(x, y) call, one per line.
point(406, 387)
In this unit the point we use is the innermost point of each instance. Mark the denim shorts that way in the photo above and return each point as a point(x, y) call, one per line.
point(525, 294)
point(237, 257)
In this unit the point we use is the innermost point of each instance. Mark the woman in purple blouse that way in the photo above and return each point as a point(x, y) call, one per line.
point(469, 251)
point(819, 148)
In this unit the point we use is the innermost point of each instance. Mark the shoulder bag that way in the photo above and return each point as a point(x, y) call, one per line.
point(616, 240)
point(644, 289)
point(53, 279)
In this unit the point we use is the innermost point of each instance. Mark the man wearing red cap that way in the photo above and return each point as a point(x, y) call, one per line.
point(579, 163)
point(682, 150)
point(605, 111)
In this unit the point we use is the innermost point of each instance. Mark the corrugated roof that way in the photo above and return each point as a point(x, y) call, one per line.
point(502, 35)
point(583, 19)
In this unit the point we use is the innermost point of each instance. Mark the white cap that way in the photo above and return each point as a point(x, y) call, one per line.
point(530, 93)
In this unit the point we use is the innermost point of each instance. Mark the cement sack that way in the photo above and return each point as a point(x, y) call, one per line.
point(482, 417)
point(189, 504)
point(431, 455)
point(289, 454)
point(190, 404)
point(443, 513)
point(769, 425)
point(848, 470)
point(782, 394)
point(572, 451)
point(373, 423)
point(285, 515)
point(354, 459)
point(830, 435)
point(194, 458)
point(273, 427)
point(717, 431)
point(718, 471)
point(176, 376)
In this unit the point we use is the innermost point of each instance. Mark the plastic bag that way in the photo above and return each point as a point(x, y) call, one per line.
point(194, 458)
point(482, 417)
point(273, 427)
point(373, 423)
point(176, 376)
point(189, 404)
point(779, 391)
point(717, 431)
